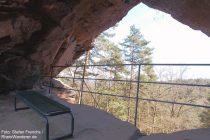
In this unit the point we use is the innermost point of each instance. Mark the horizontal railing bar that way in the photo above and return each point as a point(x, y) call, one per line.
point(64, 77)
point(60, 88)
point(99, 79)
point(178, 103)
point(59, 77)
point(154, 64)
point(92, 92)
point(146, 99)
point(178, 84)
point(68, 66)
point(144, 82)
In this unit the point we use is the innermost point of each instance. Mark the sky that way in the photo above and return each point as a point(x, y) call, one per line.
point(173, 42)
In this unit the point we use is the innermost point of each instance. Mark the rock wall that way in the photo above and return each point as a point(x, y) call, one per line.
point(35, 34)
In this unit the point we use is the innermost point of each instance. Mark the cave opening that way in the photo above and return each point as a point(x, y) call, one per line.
point(173, 43)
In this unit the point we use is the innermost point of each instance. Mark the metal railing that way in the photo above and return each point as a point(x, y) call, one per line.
point(138, 82)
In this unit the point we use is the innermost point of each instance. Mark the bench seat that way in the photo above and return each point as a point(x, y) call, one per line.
point(45, 107)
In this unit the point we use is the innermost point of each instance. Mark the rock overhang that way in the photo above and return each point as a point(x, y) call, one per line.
point(35, 34)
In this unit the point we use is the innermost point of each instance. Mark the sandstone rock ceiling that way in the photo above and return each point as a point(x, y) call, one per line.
point(35, 34)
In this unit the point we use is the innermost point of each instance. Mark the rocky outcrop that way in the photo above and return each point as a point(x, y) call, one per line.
point(35, 34)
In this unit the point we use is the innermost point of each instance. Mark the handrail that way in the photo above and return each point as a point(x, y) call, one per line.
point(146, 99)
point(138, 82)
point(143, 82)
point(146, 64)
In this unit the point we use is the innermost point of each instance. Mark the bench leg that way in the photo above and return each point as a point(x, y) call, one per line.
point(72, 129)
point(47, 128)
point(15, 106)
point(72, 123)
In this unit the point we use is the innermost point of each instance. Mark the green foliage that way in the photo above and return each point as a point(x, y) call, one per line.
point(135, 47)
point(105, 52)
point(205, 117)
point(136, 51)
point(153, 117)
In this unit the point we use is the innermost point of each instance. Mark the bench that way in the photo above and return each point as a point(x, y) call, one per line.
point(45, 107)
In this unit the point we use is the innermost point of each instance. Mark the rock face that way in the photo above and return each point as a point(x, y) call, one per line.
point(35, 34)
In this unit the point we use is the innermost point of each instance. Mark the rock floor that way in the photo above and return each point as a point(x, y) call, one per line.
point(90, 124)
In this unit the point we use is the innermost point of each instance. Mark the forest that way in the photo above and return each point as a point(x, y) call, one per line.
point(113, 70)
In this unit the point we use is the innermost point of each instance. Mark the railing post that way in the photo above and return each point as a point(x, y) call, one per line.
point(82, 83)
point(51, 76)
point(137, 94)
